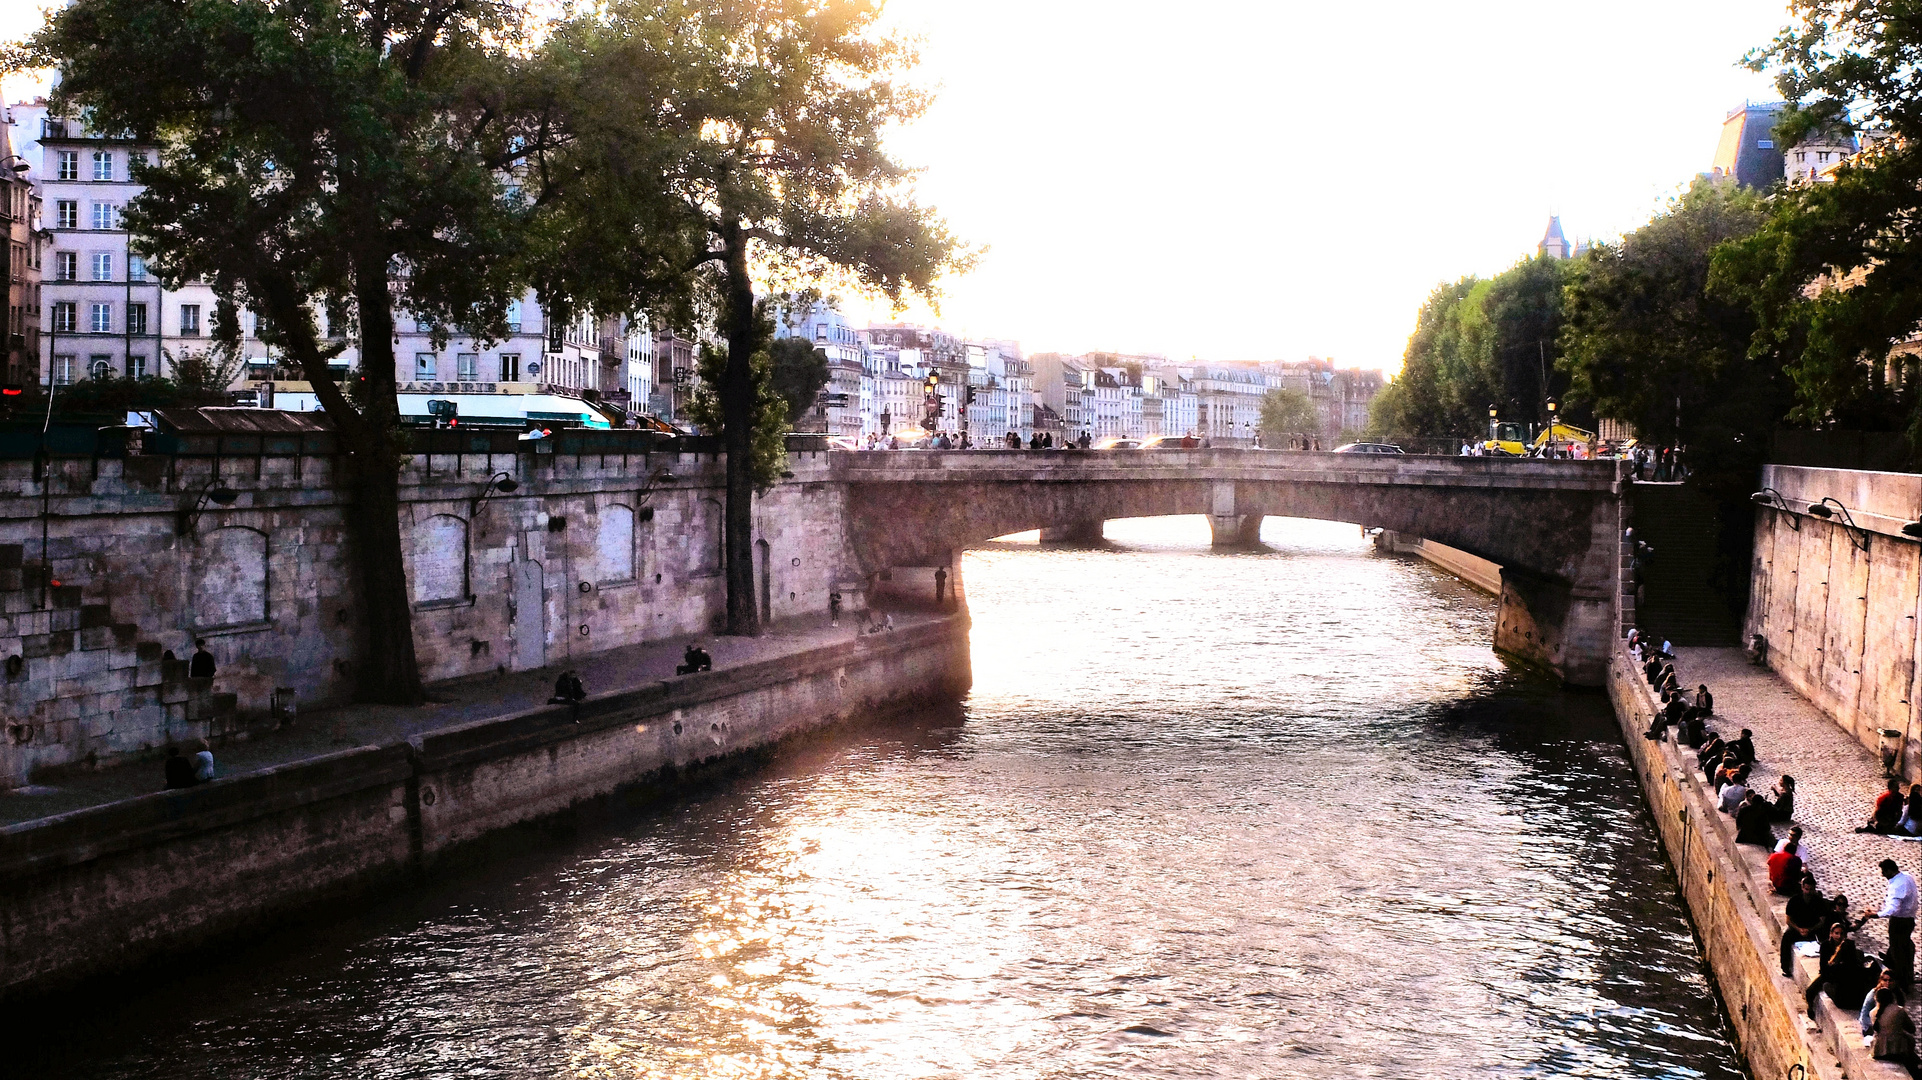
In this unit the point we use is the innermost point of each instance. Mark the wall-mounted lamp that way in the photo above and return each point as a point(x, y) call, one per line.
point(212, 491)
point(499, 483)
point(1857, 535)
point(1768, 496)
point(1913, 529)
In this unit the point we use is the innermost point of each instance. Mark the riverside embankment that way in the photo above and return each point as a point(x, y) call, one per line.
point(106, 888)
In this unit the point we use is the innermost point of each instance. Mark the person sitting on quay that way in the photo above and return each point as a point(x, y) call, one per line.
point(1652, 669)
point(1752, 822)
point(694, 659)
point(1782, 807)
point(1804, 917)
point(1709, 757)
point(1635, 644)
point(1704, 705)
point(1733, 792)
point(1742, 748)
point(1866, 1021)
point(201, 666)
point(1887, 815)
point(1801, 848)
point(1670, 713)
point(204, 763)
point(1894, 1038)
point(1729, 773)
point(1911, 822)
point(1692, 731)
point(1786, 874)
point(178, 769)
point(1843, 974)
point(568, 689)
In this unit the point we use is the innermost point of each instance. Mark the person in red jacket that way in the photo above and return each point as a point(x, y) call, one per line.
point(1888, 810)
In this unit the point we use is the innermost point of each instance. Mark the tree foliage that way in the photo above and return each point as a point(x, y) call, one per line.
point(1646, 341)
point(1478, 341)
point(1284, 413)
point(797, 372)
point(1834, 275)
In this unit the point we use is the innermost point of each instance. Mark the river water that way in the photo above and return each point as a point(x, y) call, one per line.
point(1257, 814)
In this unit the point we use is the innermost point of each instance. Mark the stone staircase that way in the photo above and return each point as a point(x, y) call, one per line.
point(70, 674)
point(1679, 600)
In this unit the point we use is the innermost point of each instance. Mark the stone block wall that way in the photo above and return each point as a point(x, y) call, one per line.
point(1840, 621)
point(588, 552)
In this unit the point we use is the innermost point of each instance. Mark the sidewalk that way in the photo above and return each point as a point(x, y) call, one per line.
point(1836, 777)
point(454, 702)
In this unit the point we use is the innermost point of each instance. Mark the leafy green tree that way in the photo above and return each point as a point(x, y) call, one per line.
point(1834, 275)
point(780, 107)
point(1645, 341)
point(798, 371)
point(1287, 412)
point(362, 156)
point(767, 449)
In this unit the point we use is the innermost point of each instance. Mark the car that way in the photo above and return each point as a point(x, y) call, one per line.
point(1368, 448)
point(844, 442)
point(1118, 444)
point(1170, 442)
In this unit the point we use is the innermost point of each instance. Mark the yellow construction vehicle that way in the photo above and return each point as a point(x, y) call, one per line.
point(1509, 438)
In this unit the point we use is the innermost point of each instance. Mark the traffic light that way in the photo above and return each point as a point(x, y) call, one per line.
point(968, 399)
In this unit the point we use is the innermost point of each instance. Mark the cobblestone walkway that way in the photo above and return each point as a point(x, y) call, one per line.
point(1836, 777)
point(459, 701)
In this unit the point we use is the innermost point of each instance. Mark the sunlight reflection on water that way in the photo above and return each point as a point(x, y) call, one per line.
point(1205, 814)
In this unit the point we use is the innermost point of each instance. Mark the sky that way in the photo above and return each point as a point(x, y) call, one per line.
point(1257, 180)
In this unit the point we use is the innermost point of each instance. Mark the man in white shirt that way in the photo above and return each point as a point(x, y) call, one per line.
point(1899, 909)
point(1801, 848)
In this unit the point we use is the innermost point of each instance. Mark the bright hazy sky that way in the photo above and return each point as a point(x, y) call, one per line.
point(1241, 180)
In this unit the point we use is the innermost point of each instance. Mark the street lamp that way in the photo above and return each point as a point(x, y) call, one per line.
point(212, 491)
point(500, 483)
point(1858, 536)
point(1768, 496)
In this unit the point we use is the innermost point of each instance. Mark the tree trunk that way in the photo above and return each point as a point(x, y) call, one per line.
point(737, 433)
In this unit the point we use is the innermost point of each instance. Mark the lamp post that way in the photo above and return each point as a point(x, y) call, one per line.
point(1553, 450)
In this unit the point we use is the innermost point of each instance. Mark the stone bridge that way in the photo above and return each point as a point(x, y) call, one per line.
point(1553, 526)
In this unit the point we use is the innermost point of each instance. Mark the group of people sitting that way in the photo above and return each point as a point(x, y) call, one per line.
point(1850, 978)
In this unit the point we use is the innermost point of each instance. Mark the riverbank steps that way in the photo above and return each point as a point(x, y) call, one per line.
point(102, 891)
point(1737, 917)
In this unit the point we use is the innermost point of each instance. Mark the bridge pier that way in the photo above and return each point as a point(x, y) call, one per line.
point(1235, 530)
point(1565, 628)
point(1079, 532)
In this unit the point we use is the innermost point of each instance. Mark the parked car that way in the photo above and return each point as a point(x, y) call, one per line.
point(1118, 444)
point(1170, 442)
point(1368, 448)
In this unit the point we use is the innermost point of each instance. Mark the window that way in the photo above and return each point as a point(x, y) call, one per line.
point(190, 320)
point(1822, 155)
point(64, 318)
point(1801, 155)
point(66, 266)
point(103, 266)
point(69, 168)
point(136, 319)
point(469, 366)
point(105, 215)
point(510, 367)
point(102, 165)
point(63, 369)
point(514, 316)
point(66, 214)
point(424, 365)
point(136, 268)
point(136, 367)
point(101, 367)
point(100, 318)
point(820, 331)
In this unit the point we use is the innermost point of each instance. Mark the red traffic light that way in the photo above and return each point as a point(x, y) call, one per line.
point(11, 391)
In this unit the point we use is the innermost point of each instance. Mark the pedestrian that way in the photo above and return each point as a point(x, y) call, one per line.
point(1899, 909)
point(693, 659)
point(941, 587)
point(834, 609)
point(178, 771)
point(204, 763)
point(568, 689)
point(202, 664)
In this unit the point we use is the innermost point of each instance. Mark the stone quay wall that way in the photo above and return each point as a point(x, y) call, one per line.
point(1841, 622)
point(101, 891)
point(110, 569)
point(1736, 916)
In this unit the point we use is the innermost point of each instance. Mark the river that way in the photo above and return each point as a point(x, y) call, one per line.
point(1280, 813)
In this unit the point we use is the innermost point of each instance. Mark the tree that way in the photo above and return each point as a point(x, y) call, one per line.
point(1284, 413)
point(1646, 342)
point(780, 106)
point(1834, 275)
point(358, 155)
point(798, 371)
point(1478, 341)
